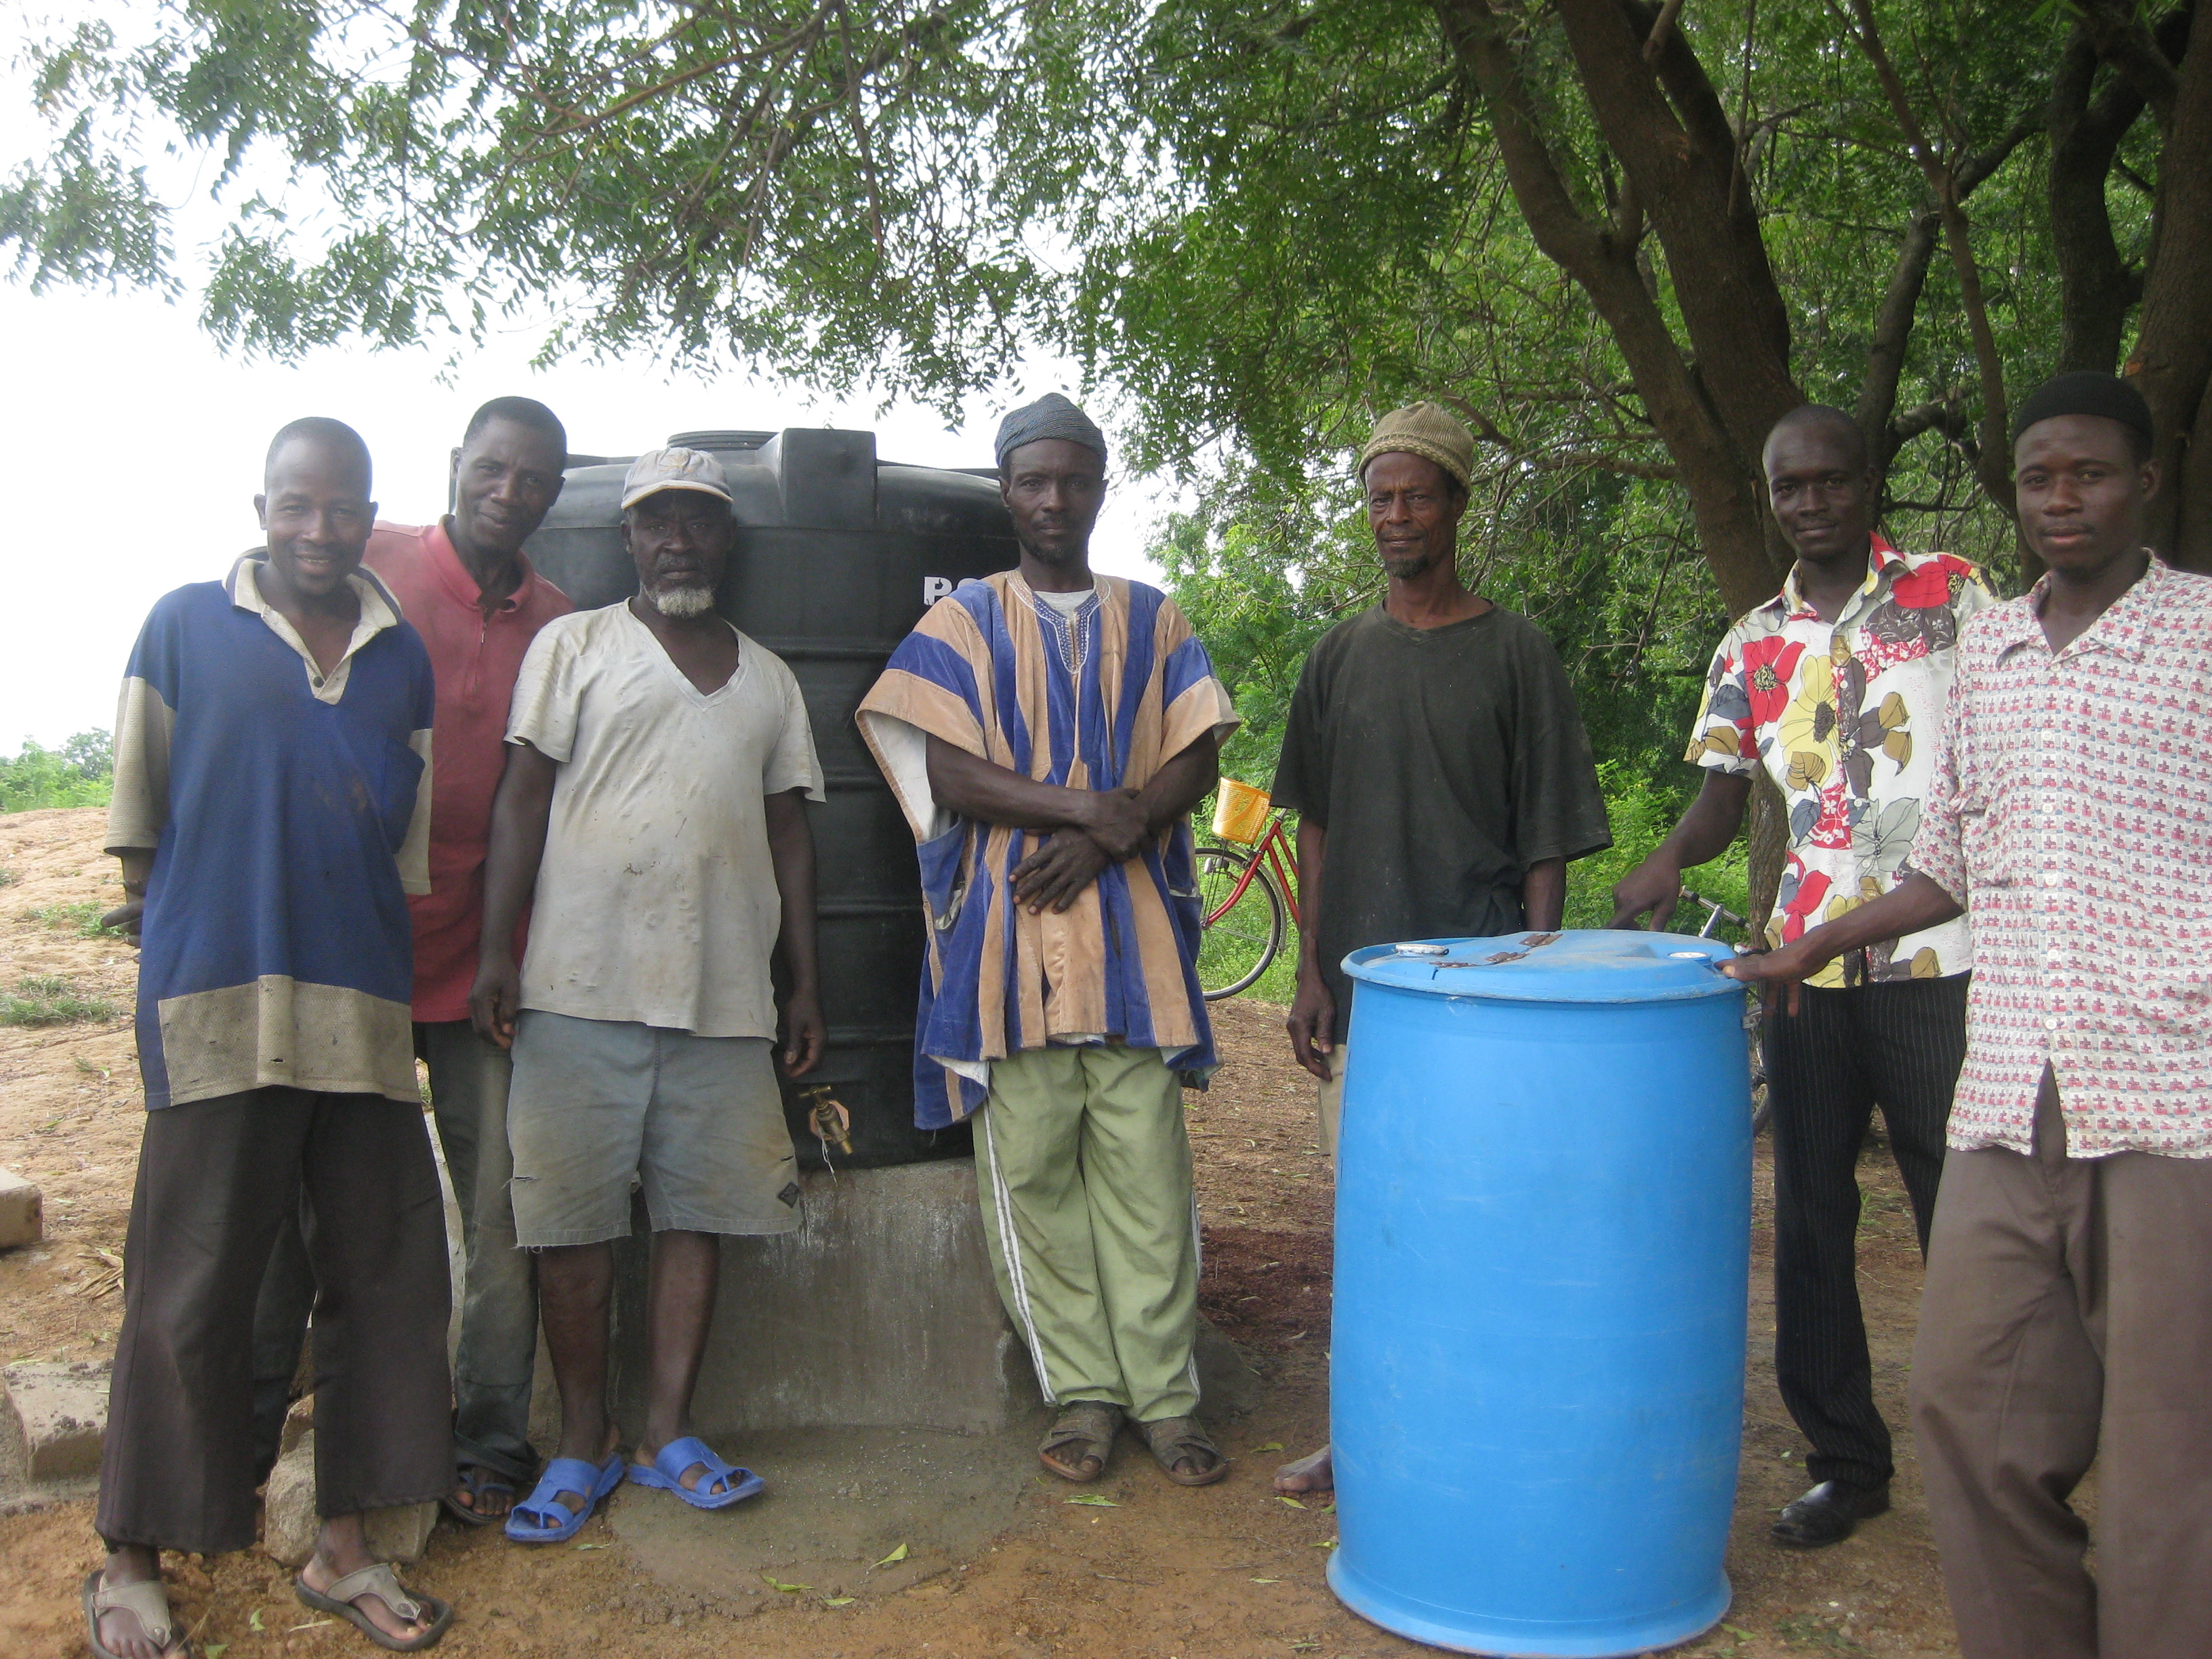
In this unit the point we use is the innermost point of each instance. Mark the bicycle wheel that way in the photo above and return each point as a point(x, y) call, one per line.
point(1237, 941)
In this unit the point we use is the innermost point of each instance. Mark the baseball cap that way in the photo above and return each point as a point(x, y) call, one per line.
point(673, 469)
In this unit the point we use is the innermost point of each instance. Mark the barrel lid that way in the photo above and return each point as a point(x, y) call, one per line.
point(1586, 965)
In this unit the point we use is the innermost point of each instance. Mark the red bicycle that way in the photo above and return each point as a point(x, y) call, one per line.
point(1247, 901)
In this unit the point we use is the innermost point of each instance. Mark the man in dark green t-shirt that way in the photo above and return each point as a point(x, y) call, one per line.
point(1436, 759)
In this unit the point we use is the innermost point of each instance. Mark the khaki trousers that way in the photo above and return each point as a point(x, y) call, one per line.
point(2067, 1320)
point(1083, 1163)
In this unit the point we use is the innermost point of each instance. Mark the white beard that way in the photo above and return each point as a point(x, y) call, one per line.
point(682, 603)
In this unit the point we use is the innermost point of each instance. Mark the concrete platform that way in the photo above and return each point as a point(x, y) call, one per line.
point(879, 1312)
point(838, 1502)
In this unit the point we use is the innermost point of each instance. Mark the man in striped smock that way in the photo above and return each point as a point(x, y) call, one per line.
point(1047, 732)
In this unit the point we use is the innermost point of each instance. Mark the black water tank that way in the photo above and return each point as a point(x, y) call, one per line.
point(838, 554)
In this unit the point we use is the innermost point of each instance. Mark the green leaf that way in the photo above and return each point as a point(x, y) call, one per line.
point(775, 1582)
point(1095, 1501)
point(898, 1554)
point(254, 1620)
point(214, 1649)
point(838, 1600)
point(1292, 1502)
point(1272, 1445)
point(1267, 1581)
point(594, 1546)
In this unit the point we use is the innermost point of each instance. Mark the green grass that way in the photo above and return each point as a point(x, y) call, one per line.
point(1819, 1635)
point(7, 878)
point(81, 917)
point(50, 999)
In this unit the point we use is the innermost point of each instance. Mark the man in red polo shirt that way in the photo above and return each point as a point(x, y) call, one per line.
point(466, 586)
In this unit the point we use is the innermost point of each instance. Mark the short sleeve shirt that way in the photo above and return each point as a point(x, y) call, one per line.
point(1843, 718)
point(474, 655)
point(656, 899)
point(1443, 762)
point(288, 810)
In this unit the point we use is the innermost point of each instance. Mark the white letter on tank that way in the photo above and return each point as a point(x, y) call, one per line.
point(934, 588)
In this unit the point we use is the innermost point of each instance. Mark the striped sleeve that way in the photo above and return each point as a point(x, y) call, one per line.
point(1192, 700)
point(931, 688)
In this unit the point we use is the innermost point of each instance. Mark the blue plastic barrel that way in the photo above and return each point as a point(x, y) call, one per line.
point(1543, 1232)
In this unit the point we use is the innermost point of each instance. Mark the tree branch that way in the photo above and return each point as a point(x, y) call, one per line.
point(1892, 332)
point(2123, 40)
point(1604, 268)
point(1995, 468)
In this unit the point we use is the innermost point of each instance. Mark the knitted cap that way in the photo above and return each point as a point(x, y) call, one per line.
point(1050, 417)
point(1426, 429)
point(2085, 392)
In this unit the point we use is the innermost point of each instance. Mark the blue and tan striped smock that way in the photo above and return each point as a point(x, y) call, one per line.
point(1096, 702)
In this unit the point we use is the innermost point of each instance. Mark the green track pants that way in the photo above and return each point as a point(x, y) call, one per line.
point(1084, 1168)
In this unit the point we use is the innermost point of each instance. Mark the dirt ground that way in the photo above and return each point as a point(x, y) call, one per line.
point(1157, 1572)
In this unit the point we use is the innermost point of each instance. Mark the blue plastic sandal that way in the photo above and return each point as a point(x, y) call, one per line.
point(723, 1485)
point(527, 1521)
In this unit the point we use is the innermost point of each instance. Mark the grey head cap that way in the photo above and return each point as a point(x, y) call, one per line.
point(1050, 417)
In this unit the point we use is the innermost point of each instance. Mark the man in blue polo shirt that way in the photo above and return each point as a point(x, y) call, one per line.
point(271, 811)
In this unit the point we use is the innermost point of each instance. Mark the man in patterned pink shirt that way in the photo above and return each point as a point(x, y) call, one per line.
point(2067, 1318)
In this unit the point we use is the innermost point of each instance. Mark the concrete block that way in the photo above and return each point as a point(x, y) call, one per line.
point(22, 1216)
point(290, 1523)
point(879, 1312)
point(57, 1412)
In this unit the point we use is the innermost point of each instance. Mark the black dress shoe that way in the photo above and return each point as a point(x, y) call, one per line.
point(1828, 1514)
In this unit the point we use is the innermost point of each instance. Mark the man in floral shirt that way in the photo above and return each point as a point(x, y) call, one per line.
point(1836, 686)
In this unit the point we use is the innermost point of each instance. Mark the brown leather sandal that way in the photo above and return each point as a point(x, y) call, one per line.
point(1177, 1440)
point(1086, 1427)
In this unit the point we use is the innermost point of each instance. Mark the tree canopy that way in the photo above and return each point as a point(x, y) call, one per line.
point(1621, 237)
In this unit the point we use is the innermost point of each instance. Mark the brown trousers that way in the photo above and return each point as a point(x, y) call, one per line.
point(215, 1180)
point(2067, 1320)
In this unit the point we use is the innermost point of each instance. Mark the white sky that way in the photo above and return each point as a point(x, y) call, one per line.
point(135, 447)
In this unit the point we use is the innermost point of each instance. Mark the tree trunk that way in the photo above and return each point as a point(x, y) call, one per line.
point(2172, 359)
point(2095, 283)
point(1717, 465)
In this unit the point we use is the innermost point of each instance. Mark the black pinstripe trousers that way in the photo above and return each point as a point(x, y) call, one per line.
point(1896, 1044)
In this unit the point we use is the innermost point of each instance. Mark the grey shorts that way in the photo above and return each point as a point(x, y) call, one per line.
point(599, 1107)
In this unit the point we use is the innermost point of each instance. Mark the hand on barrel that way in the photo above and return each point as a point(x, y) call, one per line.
point(1779, 973)
point(1654, 885)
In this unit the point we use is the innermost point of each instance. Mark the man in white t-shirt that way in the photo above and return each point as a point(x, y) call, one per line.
point(653, 813)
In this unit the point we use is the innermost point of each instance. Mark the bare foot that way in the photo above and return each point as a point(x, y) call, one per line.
point(484, 1491)
point(1308, 1474)
point(121, 1631)
point(342, 1550)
